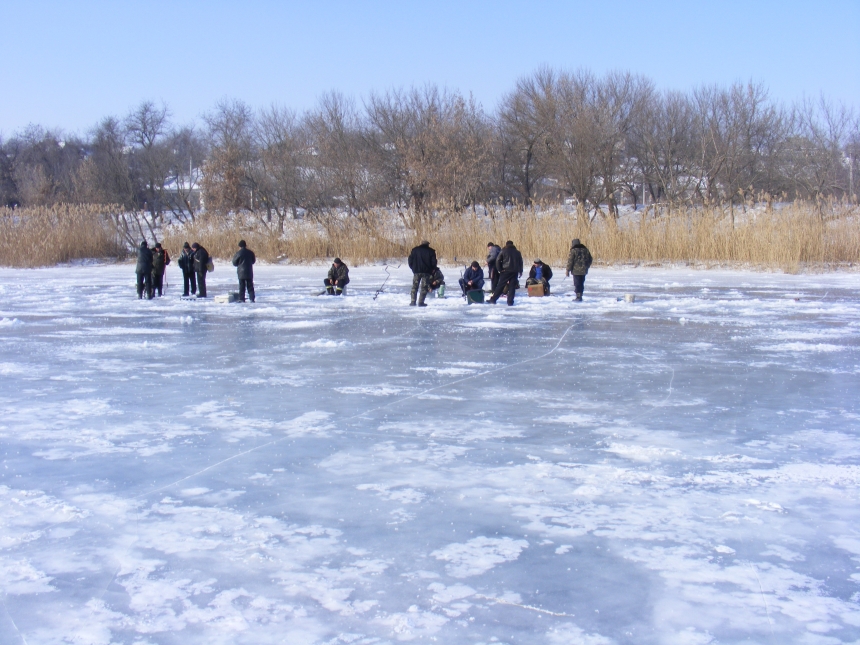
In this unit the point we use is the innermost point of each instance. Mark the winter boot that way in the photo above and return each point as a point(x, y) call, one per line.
point(578, 297)
point(329, 290)
point(421, 302)
point(338, 291)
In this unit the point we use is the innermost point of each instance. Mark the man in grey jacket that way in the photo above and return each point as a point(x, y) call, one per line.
point(493, 251)
point(578, 263)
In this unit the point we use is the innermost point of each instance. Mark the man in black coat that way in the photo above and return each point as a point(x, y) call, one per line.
point(201, 266)
point(422, 261)
point(338, 278)
point(160, 260)
point(493, 251)
point(510, 267)
point(186, 263)
point(244, 260)
point(540, 273)
point(144, 271)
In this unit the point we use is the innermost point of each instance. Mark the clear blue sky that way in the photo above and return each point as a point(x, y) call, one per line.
point(68, 64)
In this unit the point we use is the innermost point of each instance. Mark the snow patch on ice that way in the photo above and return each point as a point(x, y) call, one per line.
point(323, 343)
point(478, 555)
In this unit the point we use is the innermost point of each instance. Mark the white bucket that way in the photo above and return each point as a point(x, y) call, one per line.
point(629, 297)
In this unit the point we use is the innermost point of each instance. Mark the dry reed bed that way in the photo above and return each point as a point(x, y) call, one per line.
point(788, 239)
point(785, 239)
point(43, 236)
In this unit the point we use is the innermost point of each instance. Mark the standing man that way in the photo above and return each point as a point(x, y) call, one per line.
point(510, 267)
point(160, 260)
point(201, 266)
point(244, 260)
point(493, 251)
point(186, 263)
point(144, 271)
point(422, 261)
point(578, 263)
point(338, 278)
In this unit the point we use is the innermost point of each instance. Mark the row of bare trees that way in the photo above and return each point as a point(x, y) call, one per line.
point(597, 142)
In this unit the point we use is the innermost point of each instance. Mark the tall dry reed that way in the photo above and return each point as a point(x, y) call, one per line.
point(790, 238)
point(42, 236)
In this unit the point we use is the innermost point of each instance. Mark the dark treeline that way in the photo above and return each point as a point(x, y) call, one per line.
point(598, 142)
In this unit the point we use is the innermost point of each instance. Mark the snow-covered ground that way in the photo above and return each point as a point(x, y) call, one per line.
point(683, 469)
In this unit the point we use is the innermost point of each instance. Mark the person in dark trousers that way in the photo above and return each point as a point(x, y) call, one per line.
point(473, 278)
point(510, 267)
point(578, 263)
point(540, 273)
point(244, 260)
point(144, 271)
point(201, 266)
point(160, 260)
point(186, 263)
point(493, 251)
point(422, 261)
point(338, 278)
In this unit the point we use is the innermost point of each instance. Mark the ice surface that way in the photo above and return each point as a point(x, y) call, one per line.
point(682, 469)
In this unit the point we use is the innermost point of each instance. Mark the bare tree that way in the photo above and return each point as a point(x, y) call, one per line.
point(147, 132)
point(344, 170)
point(817, 151)
point(526, 119)
point(228, 179)
point(282, 174)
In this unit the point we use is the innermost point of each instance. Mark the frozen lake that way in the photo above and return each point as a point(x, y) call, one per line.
point(680, 470)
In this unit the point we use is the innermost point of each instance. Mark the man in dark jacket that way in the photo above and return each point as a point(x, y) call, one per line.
point(509, 264)
point(160, 260)
point(493, 251)
point(578, 263)
point(540, 274)
point(244, 260)
point(186, 263)
point(422, 261)
point(338, 278)
point(144, 271)
point(472, 279)
point(201, 266)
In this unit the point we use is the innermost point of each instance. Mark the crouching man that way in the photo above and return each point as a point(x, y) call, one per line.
point(338, 278)
point(540, 274)
point(472, 279)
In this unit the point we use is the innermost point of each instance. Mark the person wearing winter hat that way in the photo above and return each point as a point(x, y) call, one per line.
point(578, 263)
point(510, 267)
point(422, 261)
point(201, 266)
point(338, 278)
point(540, 274)
point(473, 278)
point(144, 271)
point(186, 263)
point(160, 260)
point(244, 260)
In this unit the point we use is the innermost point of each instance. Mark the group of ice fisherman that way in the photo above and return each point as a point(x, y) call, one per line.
point(504, 265)
point(505, 268)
